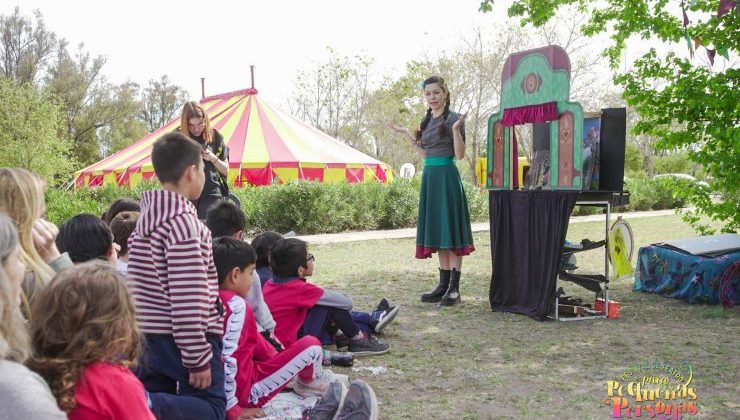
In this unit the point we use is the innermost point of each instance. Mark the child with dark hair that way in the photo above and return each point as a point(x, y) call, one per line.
point(302, 308)
point(262, 244)
point(254, 370)
point(86, 237)
point(122, 226)
point(85, 340)
point(174, 284)
point(226, 219)
point(118, 206)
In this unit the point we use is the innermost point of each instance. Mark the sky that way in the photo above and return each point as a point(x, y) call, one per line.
point(219, 39)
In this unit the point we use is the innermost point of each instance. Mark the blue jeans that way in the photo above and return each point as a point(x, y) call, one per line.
point(317, 322)
point(366, 320)
point(166, 379)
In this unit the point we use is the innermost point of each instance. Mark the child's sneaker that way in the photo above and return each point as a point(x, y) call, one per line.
point(328, 406)
point(367, 345)
point(385, 318)
point(342, 342)
point(315, 388)
point(360, 403)
point(383, 305)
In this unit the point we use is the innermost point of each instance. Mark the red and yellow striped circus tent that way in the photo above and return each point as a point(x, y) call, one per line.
point(266, 145)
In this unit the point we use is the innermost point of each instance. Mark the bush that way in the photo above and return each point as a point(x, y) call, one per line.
point(633, 158)
point(304, 207)
point(62, 204)
point(477, 202)
point(401, 206)
point(676, 163)
point(654, 194)
point(586, 210)
point(311, 207)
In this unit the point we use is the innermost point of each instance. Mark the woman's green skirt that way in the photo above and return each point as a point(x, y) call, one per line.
point(444, 219)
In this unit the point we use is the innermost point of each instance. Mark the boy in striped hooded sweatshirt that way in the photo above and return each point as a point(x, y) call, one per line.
point(173, 280)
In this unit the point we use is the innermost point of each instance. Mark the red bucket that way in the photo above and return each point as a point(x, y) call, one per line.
point(614, 307)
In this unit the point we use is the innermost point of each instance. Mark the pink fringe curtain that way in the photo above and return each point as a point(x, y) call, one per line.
point(530, 114)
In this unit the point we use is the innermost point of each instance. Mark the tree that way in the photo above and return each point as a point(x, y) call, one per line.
point(123, 131)
point(472, 73)
point(475, 83)
point(90, 102)
point(160, 102)
point(25, 47)
point(333, 97)
point(396, 101)
point(31, 132)
point(685, 103)
point(632, 159)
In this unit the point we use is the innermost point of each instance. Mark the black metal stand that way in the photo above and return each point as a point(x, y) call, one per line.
point(595, 282)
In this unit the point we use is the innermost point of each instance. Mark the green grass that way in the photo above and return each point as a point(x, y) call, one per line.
point(470, 362)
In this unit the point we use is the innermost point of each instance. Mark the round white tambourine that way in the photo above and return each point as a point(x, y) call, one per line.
point(629, 237)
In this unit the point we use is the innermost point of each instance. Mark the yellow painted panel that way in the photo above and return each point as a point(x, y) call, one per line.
point(286, 174)
point(135, 178)
point(334, 175)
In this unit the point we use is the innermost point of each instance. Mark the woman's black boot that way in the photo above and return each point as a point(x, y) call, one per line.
point(453, 292)
point(436, 294)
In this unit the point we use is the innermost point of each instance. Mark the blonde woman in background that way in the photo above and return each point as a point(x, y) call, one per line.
point(22, 199)
point(23, 394)
point(194, 123)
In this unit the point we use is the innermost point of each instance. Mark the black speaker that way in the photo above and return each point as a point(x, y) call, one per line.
point(611, 160)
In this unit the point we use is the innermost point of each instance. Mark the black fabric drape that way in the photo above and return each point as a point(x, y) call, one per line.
point(528, 230)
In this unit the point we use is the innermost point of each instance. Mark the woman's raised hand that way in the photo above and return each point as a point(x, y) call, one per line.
point(460, 121)
point(398, 128)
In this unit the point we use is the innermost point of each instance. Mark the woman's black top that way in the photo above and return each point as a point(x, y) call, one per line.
point(212, 186)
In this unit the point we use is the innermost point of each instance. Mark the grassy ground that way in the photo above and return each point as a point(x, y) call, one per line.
point(468, 362)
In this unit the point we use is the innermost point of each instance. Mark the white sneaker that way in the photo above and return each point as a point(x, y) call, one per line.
point(315, 388)
point(386, 319)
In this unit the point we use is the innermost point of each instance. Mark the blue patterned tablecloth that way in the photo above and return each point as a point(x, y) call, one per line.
point(695, 279)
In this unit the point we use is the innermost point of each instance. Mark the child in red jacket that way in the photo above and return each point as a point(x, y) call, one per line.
point(302, 309)
point(254, 370)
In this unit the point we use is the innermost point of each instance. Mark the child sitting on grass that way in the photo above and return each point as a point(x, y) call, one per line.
point(122, 226)
point(85, 340)
point(262, 244)
point(301, 308)
point(254, 370)
point(226, 219)
point(86, 237)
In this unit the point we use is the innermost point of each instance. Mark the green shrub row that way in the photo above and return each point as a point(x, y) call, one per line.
point(312, 207)
point(646, 194)
point(303, 207)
